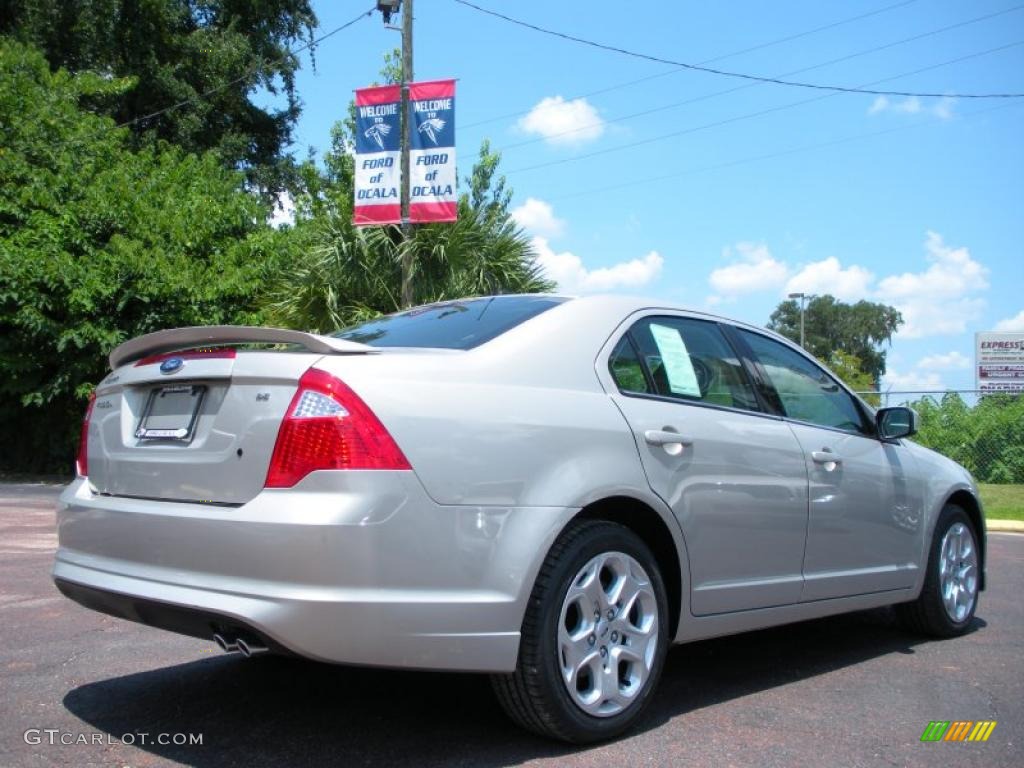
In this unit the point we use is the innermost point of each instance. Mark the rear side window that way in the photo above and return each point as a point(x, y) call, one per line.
point(807, 392)
point(626, 368)
point(451, 324)
point(685, 359)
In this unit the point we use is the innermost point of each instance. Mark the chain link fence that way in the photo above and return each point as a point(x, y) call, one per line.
point(982, 431)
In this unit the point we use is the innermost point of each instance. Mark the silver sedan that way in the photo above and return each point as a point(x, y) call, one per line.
point(546, 489)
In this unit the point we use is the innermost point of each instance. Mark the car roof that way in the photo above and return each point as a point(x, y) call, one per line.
point(625, 305)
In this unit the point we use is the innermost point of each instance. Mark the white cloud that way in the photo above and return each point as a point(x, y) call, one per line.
point(563, 122)
point(757, 270)
point(572, 276)
point(1015, 323)
point(951, 361)
point(952, 272)
point(912, 105)
point(913, 381)
point(941, 299)
point(284, 211)
point(923, 318)
point(880, 104)
point(828, 276)
point(943, 108)
point(938, 300)
point(538, 218)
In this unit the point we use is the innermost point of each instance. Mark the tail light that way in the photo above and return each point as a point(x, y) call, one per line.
point(328, 426)
point(82, 462)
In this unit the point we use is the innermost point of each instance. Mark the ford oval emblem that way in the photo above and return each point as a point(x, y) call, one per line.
point(171, 364)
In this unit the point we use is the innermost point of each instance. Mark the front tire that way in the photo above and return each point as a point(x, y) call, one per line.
point(594, 637)
point(949, 597)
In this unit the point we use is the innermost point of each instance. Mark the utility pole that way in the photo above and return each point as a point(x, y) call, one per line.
point(407, 254)
point(388, 8)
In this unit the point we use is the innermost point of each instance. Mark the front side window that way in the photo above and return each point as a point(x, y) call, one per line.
point(806, 391)
point(685, 359)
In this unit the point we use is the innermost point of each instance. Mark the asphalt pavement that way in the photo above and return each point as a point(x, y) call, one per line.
point(83, 689)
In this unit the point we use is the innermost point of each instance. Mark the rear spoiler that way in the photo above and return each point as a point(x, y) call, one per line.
point(210, 335)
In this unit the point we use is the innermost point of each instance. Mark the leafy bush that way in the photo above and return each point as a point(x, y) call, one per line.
point(988, 439)
point(99, 243)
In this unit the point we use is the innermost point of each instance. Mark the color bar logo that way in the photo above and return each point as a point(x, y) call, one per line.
point(958, 730)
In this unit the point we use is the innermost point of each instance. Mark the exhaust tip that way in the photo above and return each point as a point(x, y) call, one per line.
point(251, 648)
point(226, 645)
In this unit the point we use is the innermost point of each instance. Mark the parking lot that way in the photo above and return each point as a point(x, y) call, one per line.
point(853, 690)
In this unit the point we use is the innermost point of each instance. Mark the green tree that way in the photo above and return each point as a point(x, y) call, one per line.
point(204, 58)
point(100, 243)
point(488, 190)
point(850, 369)
point(832, 326)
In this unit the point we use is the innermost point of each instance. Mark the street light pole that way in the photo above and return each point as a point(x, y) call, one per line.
point(803, 297)
point(802, 339)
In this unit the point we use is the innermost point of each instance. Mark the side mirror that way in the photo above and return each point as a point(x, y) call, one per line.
point(896, 422)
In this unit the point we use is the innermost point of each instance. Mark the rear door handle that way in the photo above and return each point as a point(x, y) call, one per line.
point(666, 437)
point(826, 457)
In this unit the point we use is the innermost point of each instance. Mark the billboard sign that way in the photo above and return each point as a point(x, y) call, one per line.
point(999, 361)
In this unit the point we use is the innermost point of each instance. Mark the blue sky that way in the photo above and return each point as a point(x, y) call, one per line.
point(915, 202)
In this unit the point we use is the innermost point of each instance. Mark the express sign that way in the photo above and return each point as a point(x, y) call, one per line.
point(999, 362)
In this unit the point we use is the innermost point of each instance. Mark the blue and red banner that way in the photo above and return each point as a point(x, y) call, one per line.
point(432, 194)
point(432, 179)
point(378, 156)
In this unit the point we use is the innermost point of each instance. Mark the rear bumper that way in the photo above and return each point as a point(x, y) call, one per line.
point(175, 618)
point(350, 567)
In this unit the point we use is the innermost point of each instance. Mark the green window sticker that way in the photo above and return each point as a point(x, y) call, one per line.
point(682, 379)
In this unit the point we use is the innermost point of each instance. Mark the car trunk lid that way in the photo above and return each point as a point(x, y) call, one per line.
point(197, 425)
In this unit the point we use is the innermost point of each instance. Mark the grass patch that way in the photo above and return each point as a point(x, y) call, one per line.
point(1002, 502)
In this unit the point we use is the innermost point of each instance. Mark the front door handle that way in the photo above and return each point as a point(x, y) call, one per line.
point(826, 457)
point(666, 438)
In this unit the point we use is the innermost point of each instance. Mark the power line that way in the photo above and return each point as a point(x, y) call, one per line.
point(727, 73)
point(695, 99)
point(750, 115)
point(248, 73)
point(677, 70)
point(772, 155)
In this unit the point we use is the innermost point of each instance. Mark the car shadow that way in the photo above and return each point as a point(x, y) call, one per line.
point(283, 711)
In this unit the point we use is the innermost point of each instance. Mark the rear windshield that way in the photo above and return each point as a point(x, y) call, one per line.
point(452, 324)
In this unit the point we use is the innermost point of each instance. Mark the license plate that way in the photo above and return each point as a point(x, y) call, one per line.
point(171, 413)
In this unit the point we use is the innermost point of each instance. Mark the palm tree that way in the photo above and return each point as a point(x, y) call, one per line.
point(339, 274)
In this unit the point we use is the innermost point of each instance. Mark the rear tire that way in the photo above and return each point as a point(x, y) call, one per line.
point(949, 597)
point(594, 637)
